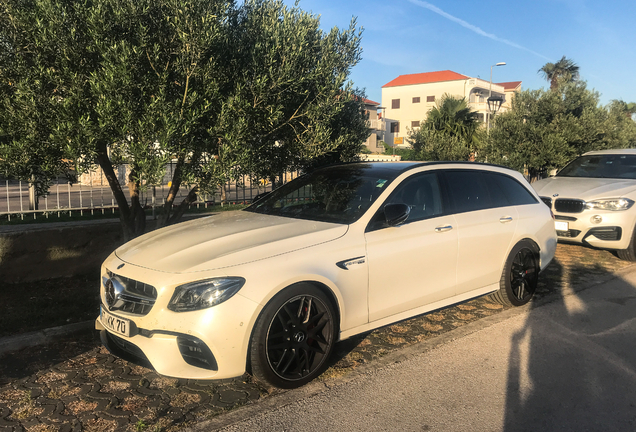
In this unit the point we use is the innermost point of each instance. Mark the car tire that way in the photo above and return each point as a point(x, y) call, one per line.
point(629, 254)
point(520, 275)
point(293, 337)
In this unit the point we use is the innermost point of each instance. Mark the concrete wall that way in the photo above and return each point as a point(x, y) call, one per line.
point(44, 251)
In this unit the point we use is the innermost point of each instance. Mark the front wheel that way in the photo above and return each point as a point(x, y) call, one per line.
point(629, 254)
point(520, 276)
point(293, 337)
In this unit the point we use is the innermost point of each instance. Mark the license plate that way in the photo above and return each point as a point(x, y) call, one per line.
point(561, 226)
point(115, 324)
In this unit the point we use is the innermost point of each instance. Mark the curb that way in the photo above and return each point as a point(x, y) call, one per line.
point(42, 337)
point(280, 399)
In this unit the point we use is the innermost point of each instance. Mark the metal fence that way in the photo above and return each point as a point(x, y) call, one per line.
point(91, 194)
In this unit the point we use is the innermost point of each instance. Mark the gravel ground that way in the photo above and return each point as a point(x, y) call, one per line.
point(75, 384)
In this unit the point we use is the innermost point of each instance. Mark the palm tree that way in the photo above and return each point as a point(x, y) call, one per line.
point(453, 117)
point(450, 132)
point(565, 70)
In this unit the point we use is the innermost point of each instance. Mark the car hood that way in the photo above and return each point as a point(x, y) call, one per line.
point(584, 188)
point(223, 240)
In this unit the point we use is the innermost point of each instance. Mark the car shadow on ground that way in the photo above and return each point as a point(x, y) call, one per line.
point(572, 365)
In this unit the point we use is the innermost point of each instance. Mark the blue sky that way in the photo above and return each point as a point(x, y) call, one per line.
point(413, 36)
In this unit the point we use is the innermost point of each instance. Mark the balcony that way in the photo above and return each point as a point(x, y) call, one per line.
point(377, 125)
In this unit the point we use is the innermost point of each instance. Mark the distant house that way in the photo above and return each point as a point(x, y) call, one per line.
point(510, 88)
point(408, 98)
point(376, 124)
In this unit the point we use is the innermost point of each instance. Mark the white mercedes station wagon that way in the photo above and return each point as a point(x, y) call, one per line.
point(593, 201)
point(337, 252)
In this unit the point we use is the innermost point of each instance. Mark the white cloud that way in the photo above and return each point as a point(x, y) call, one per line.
point(473, 28)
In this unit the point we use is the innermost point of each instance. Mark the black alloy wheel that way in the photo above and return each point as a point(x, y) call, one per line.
point(293, 337)
point(520, 276)
point(523, 275)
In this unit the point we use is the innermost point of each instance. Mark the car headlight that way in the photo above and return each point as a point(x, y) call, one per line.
point(610, 204)
point(204, 293)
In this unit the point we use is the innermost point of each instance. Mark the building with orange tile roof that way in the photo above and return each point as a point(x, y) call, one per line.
point(408, 98)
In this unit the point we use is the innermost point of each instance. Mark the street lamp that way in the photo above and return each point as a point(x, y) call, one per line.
point(496, 101)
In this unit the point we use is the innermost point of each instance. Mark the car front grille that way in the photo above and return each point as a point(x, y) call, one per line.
point(547, 201)
point(569, 233)
point(569, 205)
point(128, 295)
point(565, 218)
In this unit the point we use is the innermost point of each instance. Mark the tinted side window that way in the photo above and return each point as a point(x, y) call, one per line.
point(421, 192)
point(468, 190)
point(505, 187)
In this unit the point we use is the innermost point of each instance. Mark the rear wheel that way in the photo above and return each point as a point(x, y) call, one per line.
point(520, 276)
point(293, 337)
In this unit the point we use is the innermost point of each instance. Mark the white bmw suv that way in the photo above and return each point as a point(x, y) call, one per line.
point(593, 200)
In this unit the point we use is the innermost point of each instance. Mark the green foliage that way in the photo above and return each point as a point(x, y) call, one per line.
point(450, 132)
point(224, 90)
point(430, 145)
point(546, 129)
point(407, 154)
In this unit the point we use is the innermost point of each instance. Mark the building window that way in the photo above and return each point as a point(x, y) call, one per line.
point(430, 98)
point(395, 104)
point(416, 99)
point(481, 117)
point(415, 124)
point(395, 127)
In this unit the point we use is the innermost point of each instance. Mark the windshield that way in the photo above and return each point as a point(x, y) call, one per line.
point(601, 166)
point(339, 194)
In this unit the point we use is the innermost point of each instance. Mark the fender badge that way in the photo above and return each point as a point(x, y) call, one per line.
point(351, 261)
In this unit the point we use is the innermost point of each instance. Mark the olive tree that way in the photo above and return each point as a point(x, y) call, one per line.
point(546, 129)
point(222, 90)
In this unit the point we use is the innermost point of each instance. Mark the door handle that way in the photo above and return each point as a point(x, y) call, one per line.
point(444, 228)
point(505, 219)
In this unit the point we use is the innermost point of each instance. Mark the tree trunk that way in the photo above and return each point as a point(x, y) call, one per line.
point(33, 196)
point(175, 184)
point(185, 204)
point(106, 165)
point(137, 215)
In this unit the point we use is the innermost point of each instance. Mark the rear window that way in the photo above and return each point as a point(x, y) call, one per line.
point(472, 190)
point(505, 190)
point(468, 190)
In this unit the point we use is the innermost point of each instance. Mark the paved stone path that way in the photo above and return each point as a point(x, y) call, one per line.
point(77, 385)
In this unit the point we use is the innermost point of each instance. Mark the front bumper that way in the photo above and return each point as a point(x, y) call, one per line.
point(210, 343)
point(614, 231)
point(196, 345)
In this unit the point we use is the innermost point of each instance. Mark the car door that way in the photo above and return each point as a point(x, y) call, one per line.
point(412, 264)
point(486, 224)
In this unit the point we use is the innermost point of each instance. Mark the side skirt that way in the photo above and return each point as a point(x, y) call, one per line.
point(411, 313)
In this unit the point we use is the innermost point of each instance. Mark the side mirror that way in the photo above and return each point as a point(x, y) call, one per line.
point(396, 214)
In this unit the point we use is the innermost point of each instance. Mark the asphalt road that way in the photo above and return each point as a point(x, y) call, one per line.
point(567, 365)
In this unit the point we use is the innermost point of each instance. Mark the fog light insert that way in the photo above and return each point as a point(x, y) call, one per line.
point(196, 353)
point(596, 219)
